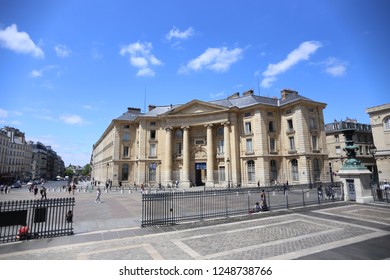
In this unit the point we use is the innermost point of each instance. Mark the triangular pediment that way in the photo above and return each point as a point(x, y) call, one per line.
point(196, 107)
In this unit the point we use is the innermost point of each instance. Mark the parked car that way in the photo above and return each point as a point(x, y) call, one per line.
point(17, 184)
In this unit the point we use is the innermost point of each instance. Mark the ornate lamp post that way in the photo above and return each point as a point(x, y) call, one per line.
point(375, 178)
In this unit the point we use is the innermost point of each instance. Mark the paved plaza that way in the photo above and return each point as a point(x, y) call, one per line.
point(111, 231)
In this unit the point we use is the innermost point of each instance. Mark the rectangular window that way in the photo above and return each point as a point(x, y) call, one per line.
point(126, 126)
point(248, 128)
point(290, 124)
point(337, 138)
point(292, 143)
point(152, 150)
point(314, 142)
point(126, 136)
point(312, 123)
point(249, 146)
point(220, 147)
point(152, 135)
point(125, 151)
point(338, 150)
point(247, 114)
point(221, 174)
point(179, 148)
point(272, 145)
point(361, 149)
point(152, 123)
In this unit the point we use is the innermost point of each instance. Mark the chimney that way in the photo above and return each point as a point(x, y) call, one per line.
point(247, 93)
point(133, 110)
point(151, 107)
point(234, 95)
point(287, 92)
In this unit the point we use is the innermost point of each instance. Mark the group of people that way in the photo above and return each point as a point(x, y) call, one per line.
point(262, 205)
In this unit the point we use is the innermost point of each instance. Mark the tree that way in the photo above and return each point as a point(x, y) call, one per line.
point(86, 170)
point(69, 171)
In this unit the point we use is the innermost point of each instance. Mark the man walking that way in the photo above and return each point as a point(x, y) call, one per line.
point(98, 193)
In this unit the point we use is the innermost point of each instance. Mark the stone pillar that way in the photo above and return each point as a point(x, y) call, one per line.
point(186, 157)
point(226, 148)
point(168, 156)
point(210, 156)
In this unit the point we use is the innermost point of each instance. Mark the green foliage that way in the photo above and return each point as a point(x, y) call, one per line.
point(86, 170)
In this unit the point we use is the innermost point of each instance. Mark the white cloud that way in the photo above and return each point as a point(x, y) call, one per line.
point(175, 33)
point(19, 42)
point(36, 73)
point(141, 57)
point(335, 67)
point(3, 113)
point(303, 52)
point(62, 51)
point(72, 119)
point(216, 59)
point(39, 73)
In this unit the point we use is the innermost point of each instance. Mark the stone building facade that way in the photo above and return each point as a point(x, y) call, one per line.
point(380, 124)
point(15, 155)
point(335, 140)
point(242, 140)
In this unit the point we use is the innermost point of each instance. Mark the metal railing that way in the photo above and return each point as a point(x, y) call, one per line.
point(44, 218)
point(166, 208)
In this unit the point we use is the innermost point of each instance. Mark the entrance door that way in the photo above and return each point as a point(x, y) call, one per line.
point(351, 189)
point(200, 173)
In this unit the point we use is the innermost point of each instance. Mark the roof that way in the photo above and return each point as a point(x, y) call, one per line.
point(239, 102)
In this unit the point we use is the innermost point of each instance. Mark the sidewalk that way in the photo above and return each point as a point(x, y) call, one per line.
point(111, 231)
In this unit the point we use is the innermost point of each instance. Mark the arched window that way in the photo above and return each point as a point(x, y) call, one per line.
point(220, 131)
point(387, 123)
point(294, 170)
point(251, 171)
point(316, 169)
point(274, 171)
point(125, 172)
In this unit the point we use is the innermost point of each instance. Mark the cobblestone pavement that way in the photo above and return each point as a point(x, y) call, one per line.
point(110, 231)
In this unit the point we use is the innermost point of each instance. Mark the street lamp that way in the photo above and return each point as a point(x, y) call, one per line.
point(107, 164)
point(228, 172)
point(373, 150)
point(159, 175)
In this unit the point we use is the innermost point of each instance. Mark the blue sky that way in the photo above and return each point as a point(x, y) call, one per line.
point(67, 68)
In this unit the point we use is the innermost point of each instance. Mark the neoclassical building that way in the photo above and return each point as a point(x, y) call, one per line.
point(241, 140)
point(380, 124)
point(336, 143)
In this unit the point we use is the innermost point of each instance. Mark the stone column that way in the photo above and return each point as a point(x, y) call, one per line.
point(168, 156)
point(186, 157)
point(210, 156)
point(226, 148)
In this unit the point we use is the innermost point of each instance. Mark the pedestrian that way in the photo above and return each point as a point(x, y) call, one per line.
point(98, 193)
point(69, 188)
point(43, 193)
point(23, 232)
point(35, 190)
point(73, 187)
point(263, 201)
point(69, 216)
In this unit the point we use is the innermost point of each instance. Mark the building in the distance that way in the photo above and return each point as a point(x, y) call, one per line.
point(241, 140)
point(336, 143)
point(380, 124)
point(15, 155)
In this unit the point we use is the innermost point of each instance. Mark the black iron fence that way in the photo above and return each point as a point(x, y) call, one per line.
point(165, 208)
point(43, 217)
